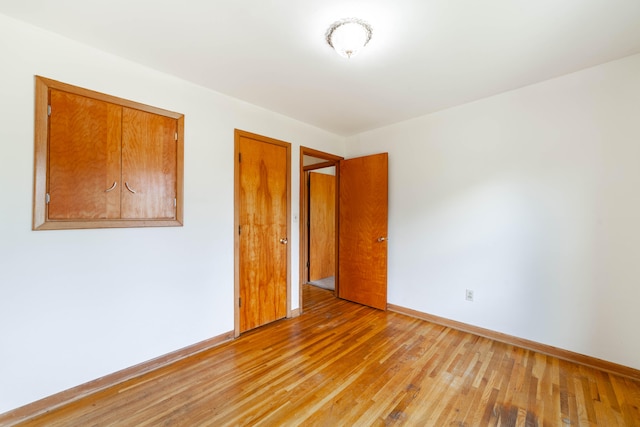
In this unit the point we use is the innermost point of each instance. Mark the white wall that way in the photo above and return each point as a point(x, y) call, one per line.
point(531, 199)
point(77, 305)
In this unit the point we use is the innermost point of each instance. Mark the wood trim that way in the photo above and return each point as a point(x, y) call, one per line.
point(236, 219)
point(116, 223)
point(66, 397)
point(331, 160)
point(303, 240)
point(236, 240)
point(41, 134)
point(548, 350)
point(336, 282)
point(54, 84)
point(180, 172)
point(289, 229)
point(40, 154)
point(318, 166)
point(319, 154)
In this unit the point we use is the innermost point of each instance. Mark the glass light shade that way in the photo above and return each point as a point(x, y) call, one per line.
point(349, 36)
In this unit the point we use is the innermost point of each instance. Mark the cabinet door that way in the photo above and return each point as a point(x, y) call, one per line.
point(149, 164)
point(84, 158)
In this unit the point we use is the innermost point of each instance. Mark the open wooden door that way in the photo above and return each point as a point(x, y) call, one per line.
point(362, 245)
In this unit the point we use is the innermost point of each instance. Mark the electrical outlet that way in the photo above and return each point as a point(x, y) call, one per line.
point(469, 295)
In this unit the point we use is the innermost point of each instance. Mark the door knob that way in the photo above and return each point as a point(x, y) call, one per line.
point(382, 239)
point(284, 241)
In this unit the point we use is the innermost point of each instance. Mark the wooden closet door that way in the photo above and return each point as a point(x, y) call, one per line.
point(84, 158)
point(262, 240)
point(149, 164)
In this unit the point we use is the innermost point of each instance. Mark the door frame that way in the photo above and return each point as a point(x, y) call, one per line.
point(236, 220)
point(330, 160)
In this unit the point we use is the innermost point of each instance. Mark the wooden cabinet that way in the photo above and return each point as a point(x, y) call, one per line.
point(101, 161)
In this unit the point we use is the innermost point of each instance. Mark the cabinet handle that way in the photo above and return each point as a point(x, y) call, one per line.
point(126, 184)
point(112, 187)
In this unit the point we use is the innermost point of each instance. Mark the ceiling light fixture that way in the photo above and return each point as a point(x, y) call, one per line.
point(348, 36)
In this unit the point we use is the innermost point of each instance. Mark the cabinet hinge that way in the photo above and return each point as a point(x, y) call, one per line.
point(239, 229)
point(175, 202)
point(239, 302)
point(48, 110)
point(47, 198)
point(239, 157)
point(176, 136)
point(308, 264)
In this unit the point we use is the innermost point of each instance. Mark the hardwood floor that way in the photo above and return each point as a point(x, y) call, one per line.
point(342, 364)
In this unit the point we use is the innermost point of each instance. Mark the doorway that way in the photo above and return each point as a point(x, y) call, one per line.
point(311, 250)
point(361, 216)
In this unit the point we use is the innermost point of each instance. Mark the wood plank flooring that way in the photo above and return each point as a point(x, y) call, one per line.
point(342, 364)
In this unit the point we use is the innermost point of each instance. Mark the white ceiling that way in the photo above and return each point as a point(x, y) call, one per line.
point(425, 55)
